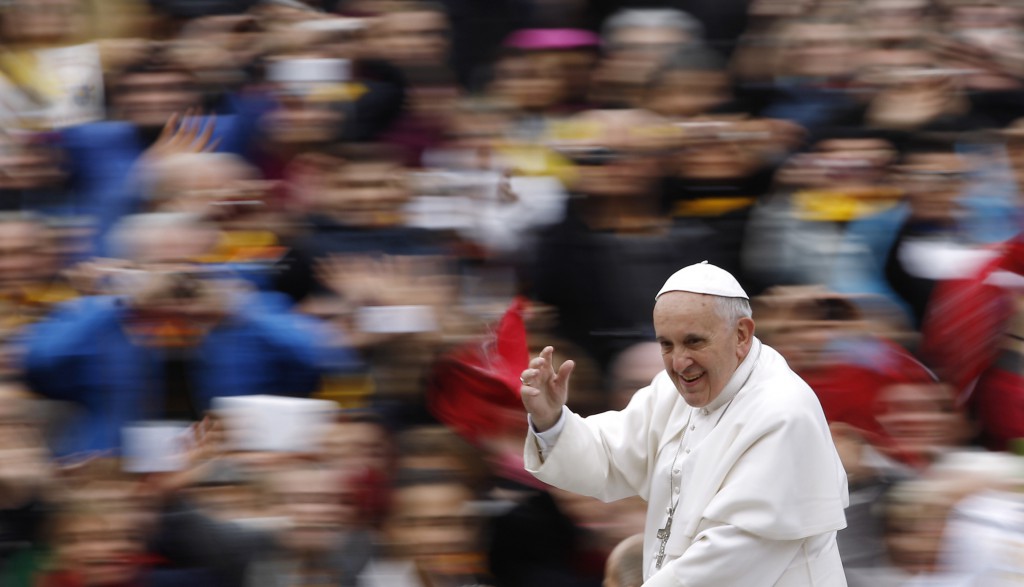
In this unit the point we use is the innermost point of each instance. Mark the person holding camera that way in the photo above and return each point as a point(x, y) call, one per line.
point(163, 335)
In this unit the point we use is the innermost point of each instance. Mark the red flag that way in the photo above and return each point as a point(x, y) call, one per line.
point(474, 390)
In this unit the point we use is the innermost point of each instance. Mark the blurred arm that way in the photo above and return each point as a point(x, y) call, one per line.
point(59, 348)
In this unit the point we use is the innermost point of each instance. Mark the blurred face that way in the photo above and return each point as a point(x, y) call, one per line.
point(227, 502)
point(430, 520)
point(365, 193)
point(700, 349)
point(532, 81)
point(634, 369)
point(577, 67)
point(915, 532)
point(360, 445)
point(689, 93)
point(24, 255)
point(312, 502)
point(174, 248)
point(26, 167)
point(219, 191)
point(933, 183)
point(649, 44)
point(807, 345)
point(149, 99)
point(300, 121)
point(101, 548)
point(436, 103)
point(820, 50)
point(415, 37)
point(920, 418)
point(23, 460)
point(609, 172)
point(724, 148)
point(42, 21)
point(838, 163)
point(481, 130)
point(894, 20)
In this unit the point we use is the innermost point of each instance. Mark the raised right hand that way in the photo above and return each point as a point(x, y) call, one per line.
point(545, 390)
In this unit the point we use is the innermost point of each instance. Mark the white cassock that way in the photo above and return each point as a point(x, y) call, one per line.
point(757, 483)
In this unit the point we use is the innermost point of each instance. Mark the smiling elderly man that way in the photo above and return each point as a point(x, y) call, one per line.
point(728, 446)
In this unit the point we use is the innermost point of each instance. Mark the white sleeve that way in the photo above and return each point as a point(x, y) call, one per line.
point(726, 555)
point(603, 456)
point(546, 440)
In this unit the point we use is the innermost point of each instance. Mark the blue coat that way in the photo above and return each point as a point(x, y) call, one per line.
point(83, 355)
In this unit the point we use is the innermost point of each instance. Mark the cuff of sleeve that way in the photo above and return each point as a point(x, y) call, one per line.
point(546, 440)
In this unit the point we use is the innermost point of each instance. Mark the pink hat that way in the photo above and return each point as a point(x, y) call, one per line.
point(551, 39)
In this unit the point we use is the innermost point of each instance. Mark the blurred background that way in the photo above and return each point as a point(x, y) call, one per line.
point(270, 269)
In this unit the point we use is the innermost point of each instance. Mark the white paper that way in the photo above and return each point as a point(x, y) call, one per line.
point(267, 423)
point(155, 447)
point(76, 76)
point(396, 319)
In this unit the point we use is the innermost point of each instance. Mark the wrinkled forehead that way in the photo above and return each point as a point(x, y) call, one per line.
point(673, 307)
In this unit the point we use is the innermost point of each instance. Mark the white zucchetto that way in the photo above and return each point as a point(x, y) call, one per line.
point(704, 278)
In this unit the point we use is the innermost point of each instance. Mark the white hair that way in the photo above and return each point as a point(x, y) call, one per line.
point(162, 181)
point(669, 18)
point(733, 309)
point(128, 239)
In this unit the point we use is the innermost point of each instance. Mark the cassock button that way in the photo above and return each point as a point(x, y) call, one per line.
point(687, 451)
point(675, 471)
point(693, 426)
point(677, 490)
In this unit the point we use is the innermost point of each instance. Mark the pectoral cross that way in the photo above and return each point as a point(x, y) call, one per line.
point(663, 534)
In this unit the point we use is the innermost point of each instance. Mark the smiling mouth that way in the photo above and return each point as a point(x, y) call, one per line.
point(691, 378)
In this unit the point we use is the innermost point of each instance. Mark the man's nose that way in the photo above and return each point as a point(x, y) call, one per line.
point(681, 360)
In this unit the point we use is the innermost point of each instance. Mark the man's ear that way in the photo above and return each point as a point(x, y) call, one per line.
point(744, 335)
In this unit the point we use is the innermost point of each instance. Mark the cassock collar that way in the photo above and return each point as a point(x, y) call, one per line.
point(738, 379)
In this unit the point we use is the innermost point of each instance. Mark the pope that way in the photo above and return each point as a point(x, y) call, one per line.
point(729, 447)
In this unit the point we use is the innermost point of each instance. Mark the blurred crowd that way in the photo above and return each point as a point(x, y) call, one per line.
point(270, 269)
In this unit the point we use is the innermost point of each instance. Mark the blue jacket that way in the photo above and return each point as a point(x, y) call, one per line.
point(83, 355)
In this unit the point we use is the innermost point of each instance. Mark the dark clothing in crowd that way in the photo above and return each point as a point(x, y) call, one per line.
point(601, 282)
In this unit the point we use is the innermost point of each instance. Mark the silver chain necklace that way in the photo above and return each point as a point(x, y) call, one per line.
point(664, 533)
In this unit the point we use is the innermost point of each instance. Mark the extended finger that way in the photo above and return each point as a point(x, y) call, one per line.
point(548, 354)
point(526, 377)
point(195, 123)
point(179, 130)
point(169, 127)
point(538, 363)
point(564, 372)
point(207, 132)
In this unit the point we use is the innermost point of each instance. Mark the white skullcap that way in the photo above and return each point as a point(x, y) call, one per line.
point(704, 278)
